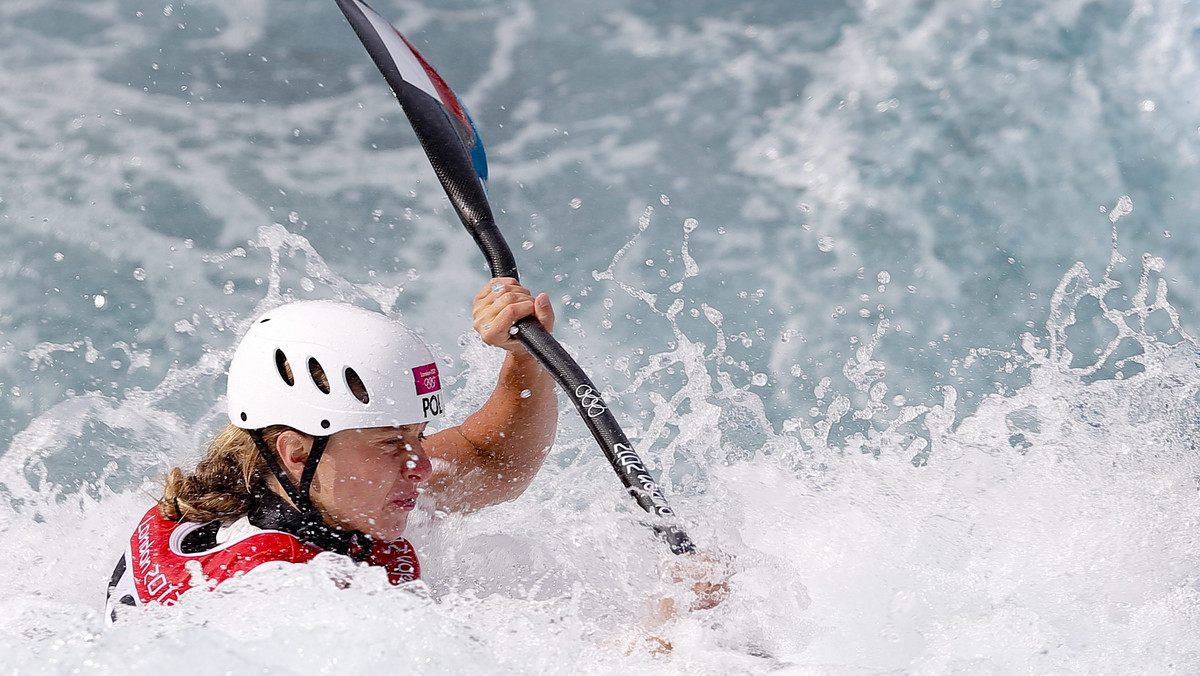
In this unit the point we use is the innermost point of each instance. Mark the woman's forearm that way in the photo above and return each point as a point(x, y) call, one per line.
point(514, 429)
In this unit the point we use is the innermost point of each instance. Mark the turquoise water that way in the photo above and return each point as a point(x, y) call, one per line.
point(899, 299)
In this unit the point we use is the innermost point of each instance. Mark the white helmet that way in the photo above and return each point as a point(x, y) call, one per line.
point(321, 367)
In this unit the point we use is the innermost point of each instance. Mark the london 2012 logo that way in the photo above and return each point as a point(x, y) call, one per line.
point(427, 379)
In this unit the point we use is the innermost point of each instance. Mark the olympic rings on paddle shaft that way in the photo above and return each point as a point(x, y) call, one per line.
point(591, 401)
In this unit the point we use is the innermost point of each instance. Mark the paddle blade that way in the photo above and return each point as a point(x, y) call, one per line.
point(441, 121)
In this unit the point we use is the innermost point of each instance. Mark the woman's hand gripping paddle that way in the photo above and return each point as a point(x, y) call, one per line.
point(452, 144)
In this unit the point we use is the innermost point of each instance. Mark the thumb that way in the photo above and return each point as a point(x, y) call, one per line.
point(544, 311)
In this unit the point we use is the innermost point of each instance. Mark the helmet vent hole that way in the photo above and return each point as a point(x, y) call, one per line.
point(284, 368)
point(357, 387)
point(318, 375)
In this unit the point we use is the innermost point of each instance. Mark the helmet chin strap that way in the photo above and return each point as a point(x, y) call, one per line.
point(313, 529)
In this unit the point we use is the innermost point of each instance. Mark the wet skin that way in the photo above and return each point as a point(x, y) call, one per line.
point(368, 479)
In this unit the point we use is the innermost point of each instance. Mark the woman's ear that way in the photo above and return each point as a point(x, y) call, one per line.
point(293, 447)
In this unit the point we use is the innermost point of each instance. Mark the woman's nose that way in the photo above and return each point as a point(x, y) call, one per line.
point(417, 467)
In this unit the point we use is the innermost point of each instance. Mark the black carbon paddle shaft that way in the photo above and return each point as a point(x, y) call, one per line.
point(462, 180)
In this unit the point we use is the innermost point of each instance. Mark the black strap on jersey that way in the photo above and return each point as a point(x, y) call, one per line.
point(303, 519)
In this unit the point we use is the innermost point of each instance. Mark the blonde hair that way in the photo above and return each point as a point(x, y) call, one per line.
point(224, 482)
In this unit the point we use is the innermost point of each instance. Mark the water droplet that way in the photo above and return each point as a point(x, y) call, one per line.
point(307, 284)
point(690, 224)
point(497, 287)
point(99, 300)
point(525, 394)
point(825, 244)
point(293, 217)
point(883, 277)
point(514, 331)
point(576, 203)
point(139, 274)
point(759, 379)
point(664, 199)
point(527, 245)
point(1123, 207)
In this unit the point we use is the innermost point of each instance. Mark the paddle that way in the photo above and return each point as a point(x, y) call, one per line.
point(454, 148)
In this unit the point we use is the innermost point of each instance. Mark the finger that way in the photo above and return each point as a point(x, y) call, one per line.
point(490, 287)
point(495, 326)
point(512, 297)
point(512, 312)
point(488, 306)
point(544, 312)
point(485, 316)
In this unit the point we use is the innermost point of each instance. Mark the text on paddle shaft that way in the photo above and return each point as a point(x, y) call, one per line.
point(628, 459)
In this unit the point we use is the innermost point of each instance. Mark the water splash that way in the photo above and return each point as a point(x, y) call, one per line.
point(1043, 527)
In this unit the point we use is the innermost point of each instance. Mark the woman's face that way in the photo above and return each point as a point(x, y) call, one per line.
point(367, 479)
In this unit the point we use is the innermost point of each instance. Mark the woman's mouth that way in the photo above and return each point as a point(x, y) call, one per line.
point(407, 503)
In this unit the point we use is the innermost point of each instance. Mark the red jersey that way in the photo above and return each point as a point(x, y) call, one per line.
point(155, 566)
